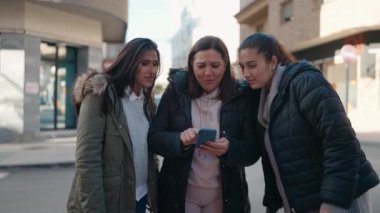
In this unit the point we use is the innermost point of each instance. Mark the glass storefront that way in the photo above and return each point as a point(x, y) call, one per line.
point(57, 73)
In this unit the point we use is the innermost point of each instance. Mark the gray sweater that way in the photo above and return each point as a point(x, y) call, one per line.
point(138, 126)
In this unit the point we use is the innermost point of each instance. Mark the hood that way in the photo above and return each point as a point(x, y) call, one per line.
point(295, 69)
point(179, 81)
point(89, 82)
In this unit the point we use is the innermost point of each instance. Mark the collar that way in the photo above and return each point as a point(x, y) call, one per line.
point(132, 96)
point(211, 95)
point(277, 77)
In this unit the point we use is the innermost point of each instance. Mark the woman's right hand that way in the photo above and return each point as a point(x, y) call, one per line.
point(189, 136)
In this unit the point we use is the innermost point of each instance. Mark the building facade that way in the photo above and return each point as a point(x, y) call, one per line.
point(317, 30)
point(44, 45)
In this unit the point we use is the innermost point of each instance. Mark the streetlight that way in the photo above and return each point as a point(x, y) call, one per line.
point(348, 53)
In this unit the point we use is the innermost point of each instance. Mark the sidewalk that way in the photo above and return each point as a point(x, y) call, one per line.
point(48, 152)
point(56, 150)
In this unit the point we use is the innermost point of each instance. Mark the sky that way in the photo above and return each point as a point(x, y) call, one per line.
point(152, 19)
point(149, 18)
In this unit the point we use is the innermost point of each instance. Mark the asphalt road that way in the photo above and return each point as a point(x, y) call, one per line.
point(35, 190)
point(45, 190)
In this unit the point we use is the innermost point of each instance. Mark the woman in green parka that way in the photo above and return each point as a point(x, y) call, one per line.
point(114, 170)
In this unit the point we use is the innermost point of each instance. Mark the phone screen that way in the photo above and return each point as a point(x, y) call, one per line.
point(204, 135)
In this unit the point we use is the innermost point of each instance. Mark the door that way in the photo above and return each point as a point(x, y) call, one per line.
point(57, 73)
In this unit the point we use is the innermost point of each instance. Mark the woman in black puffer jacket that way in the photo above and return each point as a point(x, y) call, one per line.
point(311, 157)
point(210, 178)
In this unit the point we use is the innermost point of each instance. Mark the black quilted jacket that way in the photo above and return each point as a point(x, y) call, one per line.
point(174, 116)
point(315, 147)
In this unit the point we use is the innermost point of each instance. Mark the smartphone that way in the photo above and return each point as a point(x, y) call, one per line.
point(205, 134)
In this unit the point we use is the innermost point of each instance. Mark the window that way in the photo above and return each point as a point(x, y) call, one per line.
point(287, 11)
point(57, 72)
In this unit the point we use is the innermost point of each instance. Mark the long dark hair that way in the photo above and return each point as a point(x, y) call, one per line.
point(226, 85)
point(122, 73)
point(269, 46)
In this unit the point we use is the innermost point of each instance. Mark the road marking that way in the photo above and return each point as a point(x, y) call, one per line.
point(3, 174)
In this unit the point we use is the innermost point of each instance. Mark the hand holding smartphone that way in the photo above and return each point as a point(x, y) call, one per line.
point(205, 134)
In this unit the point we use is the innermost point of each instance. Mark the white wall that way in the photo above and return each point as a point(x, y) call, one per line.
point(11, 15)
point(340, 15)
point(12, 66)
point(61, 25)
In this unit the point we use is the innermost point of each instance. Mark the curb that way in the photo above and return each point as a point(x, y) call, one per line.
point(38, 165)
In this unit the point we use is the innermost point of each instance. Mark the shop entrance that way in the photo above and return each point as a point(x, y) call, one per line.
point(57, 73)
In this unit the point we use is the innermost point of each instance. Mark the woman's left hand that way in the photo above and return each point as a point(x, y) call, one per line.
point(217, 148)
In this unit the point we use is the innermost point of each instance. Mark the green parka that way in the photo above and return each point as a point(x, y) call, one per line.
point(104, 178)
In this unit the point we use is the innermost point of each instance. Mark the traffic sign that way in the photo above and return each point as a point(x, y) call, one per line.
point(348, 53)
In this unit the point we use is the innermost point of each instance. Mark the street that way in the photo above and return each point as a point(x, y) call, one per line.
point(35, 190)
point(45, 190)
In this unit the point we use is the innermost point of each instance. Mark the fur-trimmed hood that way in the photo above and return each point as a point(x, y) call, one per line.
point(89, 82)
